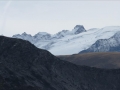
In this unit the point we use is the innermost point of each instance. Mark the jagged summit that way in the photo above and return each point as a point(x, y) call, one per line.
point(24, 33)
point(46, 36)
point(25, 36)
point(43, 33)
point(78, 29)
point(61, 34)
point(42, 36)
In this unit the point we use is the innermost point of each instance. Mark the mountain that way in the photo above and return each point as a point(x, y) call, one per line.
point(68, 42)
point(61, 34)
point(105, 45)
point(24, 36)
point(42, 36)
point(33, 39)
point(25, 67)
point(78, 29)
point(106, 60)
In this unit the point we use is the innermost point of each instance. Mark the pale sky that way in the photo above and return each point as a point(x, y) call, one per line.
point(33, 16)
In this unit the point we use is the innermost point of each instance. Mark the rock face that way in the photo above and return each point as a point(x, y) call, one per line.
point(78, 29)
point(105, 45)
point(25, 67)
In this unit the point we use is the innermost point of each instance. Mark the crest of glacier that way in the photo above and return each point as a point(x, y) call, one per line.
point(68, 42)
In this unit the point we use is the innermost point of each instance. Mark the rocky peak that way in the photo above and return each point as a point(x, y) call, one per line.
point(61, 34)
point(24, 33)
point(78, 29)
point(42, 36)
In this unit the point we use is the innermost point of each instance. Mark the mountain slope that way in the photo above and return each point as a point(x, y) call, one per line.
point(68, 42)
point(106, 60)
point(25, 67)
point(106, 45)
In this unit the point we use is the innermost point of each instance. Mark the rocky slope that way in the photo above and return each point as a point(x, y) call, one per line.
point(106, 45)
point(25, 67)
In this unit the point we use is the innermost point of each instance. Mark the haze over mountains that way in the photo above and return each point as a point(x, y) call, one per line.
point(25, 67)
point(68, 42)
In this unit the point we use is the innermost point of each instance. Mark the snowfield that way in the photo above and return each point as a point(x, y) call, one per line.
point(71, 43)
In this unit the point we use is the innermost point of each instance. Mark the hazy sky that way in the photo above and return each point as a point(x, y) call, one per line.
point(52, 16)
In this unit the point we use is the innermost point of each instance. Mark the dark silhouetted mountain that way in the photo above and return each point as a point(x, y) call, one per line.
point(25, 67)
point(106, 60)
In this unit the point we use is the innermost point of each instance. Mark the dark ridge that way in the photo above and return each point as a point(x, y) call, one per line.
point(25, 67)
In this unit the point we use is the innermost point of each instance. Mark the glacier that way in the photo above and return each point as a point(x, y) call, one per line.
point(68, 42)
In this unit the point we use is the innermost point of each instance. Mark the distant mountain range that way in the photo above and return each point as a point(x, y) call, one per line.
point(42, 36)
point(77, 40)
point(25, 67)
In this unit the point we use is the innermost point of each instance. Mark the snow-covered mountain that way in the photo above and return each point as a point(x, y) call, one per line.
point(25, 36)
point(78, 29)
point(70, 42)
point(35, 38)
point(105, 45)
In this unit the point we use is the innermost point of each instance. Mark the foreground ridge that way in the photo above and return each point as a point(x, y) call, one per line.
point(25, 67)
